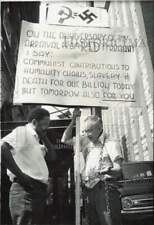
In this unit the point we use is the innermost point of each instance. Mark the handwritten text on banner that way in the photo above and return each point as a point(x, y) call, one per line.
point(66, 65)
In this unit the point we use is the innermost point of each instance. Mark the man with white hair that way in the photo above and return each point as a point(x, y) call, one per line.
point(101, 161)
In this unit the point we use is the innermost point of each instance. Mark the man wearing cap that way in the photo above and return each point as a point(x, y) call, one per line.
point(100, 161)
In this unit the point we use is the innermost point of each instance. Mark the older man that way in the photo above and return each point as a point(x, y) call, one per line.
point(101, 160)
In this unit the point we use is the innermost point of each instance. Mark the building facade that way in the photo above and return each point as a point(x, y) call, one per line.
point(12, 13)
point(135, 124)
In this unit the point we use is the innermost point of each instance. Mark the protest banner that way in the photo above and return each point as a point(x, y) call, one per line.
point(75, 66)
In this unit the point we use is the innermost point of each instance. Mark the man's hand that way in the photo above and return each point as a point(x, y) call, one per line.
point(105, 170)
point(42, 134)
point(108, 177)
point(76, 113)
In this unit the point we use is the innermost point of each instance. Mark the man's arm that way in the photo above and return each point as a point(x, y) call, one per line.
point(114, 151)
point(67, 135)
point(8, 159)
point(10, 163)
point(116, 170)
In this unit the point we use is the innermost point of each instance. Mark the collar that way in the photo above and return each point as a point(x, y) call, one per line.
point(100, 142)
point(103, 138)
point(31, 129)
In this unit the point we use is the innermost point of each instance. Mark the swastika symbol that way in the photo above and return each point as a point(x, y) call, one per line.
point(86, 15)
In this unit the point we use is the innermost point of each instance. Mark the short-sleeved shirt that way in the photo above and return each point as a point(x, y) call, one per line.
point(28, 153)
point(96, 157)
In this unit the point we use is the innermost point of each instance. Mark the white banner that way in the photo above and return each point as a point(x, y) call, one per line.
point(66, 65)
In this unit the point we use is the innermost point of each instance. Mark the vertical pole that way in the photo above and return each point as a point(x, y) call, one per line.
point(77, 183)
point(93, 111)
